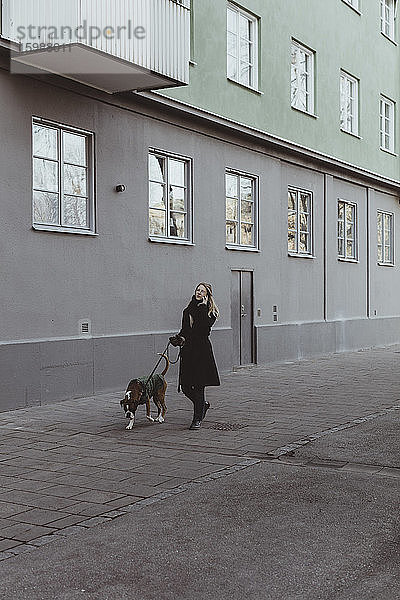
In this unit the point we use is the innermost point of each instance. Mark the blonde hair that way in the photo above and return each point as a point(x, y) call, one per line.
point(212, 307)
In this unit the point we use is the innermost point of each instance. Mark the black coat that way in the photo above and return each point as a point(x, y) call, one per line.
point(197, 365)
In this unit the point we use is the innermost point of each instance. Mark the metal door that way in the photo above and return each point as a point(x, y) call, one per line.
point(242, 317)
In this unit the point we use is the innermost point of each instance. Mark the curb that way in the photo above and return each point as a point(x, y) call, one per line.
point(283, 450)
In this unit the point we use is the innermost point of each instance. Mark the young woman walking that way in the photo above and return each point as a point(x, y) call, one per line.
point(197, 364)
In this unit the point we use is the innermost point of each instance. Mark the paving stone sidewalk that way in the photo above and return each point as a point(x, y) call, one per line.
point(71, 466)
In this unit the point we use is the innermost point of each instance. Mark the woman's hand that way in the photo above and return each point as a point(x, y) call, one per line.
point(177, 340)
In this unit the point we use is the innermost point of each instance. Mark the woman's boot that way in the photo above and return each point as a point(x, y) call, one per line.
point(199, 407)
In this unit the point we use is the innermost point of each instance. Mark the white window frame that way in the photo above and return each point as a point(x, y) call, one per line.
point(387, 125)
point(306, 74)
point(188, 195)
point(238, 245)
point(240, 13)
point(385, 258)
point(349, 94)
point(297, 213)
point(387, 18)
point(345, 238)
point(60, 227)
point(354, 4)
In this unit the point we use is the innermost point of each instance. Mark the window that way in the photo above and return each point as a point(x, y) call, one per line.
point(353, 3)
point(62, 178)
point(387, 18)
point(299, 221)
point(347, 230)
point(385, 238)
point(242, 47)
point(169, 190)
point(302, 78)
point(241, 209)
point(348, 103)
point(386, 119)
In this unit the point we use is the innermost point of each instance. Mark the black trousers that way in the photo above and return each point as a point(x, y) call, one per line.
point(196, 395)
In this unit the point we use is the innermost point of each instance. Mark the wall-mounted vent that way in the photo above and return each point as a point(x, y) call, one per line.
point(85, 327)
point(275, 313)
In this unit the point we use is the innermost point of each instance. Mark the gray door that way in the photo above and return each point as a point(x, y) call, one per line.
point(242, 317)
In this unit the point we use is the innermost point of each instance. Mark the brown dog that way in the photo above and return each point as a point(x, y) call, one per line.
point(136, 394)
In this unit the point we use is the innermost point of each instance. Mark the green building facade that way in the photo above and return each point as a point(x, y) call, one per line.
point(342, 36)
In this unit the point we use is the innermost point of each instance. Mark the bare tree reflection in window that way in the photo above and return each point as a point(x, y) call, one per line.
point(300, 78)
point(45, 142)
point(75, 211)
point(45, 208)
point(60, 177)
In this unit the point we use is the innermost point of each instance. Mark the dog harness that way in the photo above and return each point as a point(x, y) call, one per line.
point(151, 386)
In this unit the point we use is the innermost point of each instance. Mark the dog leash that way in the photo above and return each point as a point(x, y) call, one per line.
point(162, 355)
point(173, 362)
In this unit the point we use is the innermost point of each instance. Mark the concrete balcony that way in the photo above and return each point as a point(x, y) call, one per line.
point(112, 45)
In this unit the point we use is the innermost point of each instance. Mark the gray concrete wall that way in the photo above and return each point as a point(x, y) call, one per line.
point(384, 300)
point(47, 371)
point(302, 288)
point(346, 281)
point(296, 341)
point(133, 290)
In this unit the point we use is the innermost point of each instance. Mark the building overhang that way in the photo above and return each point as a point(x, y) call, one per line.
point(89, 66)
point(112, 45)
